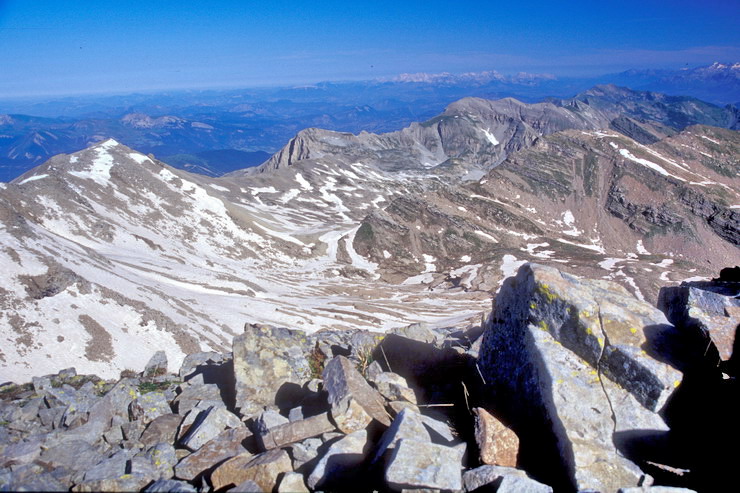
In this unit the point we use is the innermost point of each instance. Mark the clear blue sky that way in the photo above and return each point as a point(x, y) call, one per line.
point(61, 47)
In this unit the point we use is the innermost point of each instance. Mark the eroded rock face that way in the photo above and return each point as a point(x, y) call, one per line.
point(265, 358)
point(564, 351)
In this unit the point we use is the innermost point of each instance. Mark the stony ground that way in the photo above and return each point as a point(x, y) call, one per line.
point(569, 384)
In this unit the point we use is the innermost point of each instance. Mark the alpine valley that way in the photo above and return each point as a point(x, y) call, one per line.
point(109, 255)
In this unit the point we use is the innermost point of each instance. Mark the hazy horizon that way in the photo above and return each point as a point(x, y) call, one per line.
point(74, 48)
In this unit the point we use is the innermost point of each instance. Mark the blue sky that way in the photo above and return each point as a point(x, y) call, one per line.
point(67, 47)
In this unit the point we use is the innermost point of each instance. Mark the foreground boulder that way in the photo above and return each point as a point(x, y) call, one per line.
point(581, 364)
point(266, 358)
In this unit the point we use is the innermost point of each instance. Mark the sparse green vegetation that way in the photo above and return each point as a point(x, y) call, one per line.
point(316, 362)
point(146, 387)
point(12, 391)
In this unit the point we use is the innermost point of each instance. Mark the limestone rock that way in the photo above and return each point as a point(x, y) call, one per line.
point(224, 446)
point(157, 365)
point(267, 420)
point(263, 469)
point(551, 342)
point(340, 462)
point(170, 486)
point(149, 406)
point(305, 453)
point(517, 484)
point(487, 475)
point(711, 309)
point(408, 424)
point(354, 404)
point(415, 464)
point(498, 444)
point(394, 387)
point(296, 431)
point(292, 482)
point(208, 425)
point(162, 429)
point(265, 358)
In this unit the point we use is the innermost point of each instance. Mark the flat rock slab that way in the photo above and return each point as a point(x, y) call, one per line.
point(354, 403)
point(415, 464)
point(224, 446)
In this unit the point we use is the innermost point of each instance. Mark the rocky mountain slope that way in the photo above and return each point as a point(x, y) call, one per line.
point(108, 249)
point(570, 384)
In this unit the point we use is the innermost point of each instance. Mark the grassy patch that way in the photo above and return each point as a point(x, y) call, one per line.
point(146, 387)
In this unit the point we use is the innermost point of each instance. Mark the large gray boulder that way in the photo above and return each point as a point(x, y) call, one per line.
point(266, 358)
point(579, 362)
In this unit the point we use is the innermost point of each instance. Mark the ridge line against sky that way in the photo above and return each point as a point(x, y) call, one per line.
point(75, 47)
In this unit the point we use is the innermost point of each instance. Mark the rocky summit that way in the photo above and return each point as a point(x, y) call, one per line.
point(569, 384)
point(505, 297)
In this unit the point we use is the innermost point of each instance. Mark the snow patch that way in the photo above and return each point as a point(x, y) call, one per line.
point(509, 266)
point(491, 138)
point(139, 158)
point(219, 187)
point(655, 167)
point(641, 248)
point(386, 254)
point(33, 178)
point(485, 235)
point(465, 258)
point(303, 182)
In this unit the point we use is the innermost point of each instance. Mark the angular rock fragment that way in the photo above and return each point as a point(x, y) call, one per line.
point(263, 469)
point(354, 404)
point(415, 464)
point(394, 387)
point(408, 424)
point(149, 406)
point(710, 309)
point(487, 475)
point(292, 482)
point(340, 463)
point(162, 429)
point(126, 482)
point(208, 425)
point(170, 486)
point(224, 446)
point(296, 431)
point(517, 484)
point(157, 365)
point(497, 444)
point(305, 452)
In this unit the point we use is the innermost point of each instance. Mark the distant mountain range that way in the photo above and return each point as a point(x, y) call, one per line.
point(215, 132)
point(106, 248)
